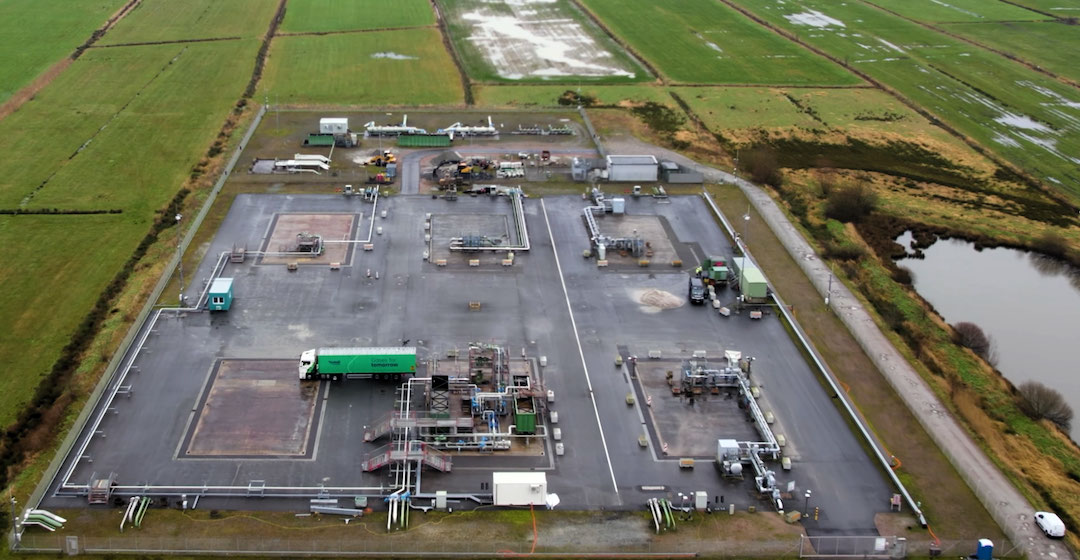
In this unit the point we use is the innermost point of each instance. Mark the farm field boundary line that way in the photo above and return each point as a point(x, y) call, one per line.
point(979, 148)
point(618, 41)
point(347, 31)
point(448, 44)
point(930, 27)
point(45, 78)
point(690, 85)
point(173, 42)
point(30, 196)
point(136, 325)
point(72, 435)
point(1030, 9)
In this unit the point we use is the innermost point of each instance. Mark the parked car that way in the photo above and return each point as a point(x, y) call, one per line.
point(1050, 524)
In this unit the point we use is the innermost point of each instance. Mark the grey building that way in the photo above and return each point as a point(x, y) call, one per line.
point(632, 168)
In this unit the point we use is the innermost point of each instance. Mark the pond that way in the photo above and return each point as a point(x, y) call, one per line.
point(1029, 305)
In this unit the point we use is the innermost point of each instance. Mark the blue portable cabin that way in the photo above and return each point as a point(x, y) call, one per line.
point(221, 294)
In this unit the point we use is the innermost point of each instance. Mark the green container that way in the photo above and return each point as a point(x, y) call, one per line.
point(752, 283)
point(423, 140)
point(400, 360)
point(525, 416)
point(324, 140)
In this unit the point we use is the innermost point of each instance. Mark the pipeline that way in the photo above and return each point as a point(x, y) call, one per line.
point(520, 229)
point(655, 516)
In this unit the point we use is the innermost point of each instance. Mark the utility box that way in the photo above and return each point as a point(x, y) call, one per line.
point(701, 500)
point(221, 294)
point(618, 206)
point(632, 168)
point(440, 500)
point(519, 488)
point(333, 126)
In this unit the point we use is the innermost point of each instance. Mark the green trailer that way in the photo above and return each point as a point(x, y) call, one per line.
point(337, 363)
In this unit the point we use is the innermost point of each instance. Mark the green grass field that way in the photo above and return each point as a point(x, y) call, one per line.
point(35, 35)
point(336, 15)
point(347, 69)
point(1051, 45)
point(703, 41)
point(149, 114)
point(548, 96)
point(1030, 119)
point(166, 20)
point(1058, 8)
point(958, 10)
point(868, 111)
point(539, 42)
point(61, 268)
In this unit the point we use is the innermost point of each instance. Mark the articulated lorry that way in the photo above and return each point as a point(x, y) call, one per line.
point(338, 363)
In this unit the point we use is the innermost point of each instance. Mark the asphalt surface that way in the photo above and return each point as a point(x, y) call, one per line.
point(551, 303)
point(1001, 498)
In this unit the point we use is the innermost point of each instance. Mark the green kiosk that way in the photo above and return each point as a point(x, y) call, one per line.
point(221, 295)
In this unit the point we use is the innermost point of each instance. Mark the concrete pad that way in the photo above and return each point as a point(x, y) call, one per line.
point(255, 409)
point(332, 227)
point(447, 226)
point(688, 424)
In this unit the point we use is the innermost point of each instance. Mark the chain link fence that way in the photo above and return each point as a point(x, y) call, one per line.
point(380, 545)
point(895, 547)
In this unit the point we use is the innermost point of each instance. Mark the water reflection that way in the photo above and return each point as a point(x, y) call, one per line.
point(1028, 303)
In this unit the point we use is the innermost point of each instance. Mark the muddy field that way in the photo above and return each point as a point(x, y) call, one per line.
point(534, 40)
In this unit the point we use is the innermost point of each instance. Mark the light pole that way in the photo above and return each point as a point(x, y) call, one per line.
point(806, 501)
point(180, 256)
point(828, 294)
point(14, 521)
point(746, 224)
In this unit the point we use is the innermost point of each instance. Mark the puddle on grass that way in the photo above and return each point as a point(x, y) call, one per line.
point(394, 56)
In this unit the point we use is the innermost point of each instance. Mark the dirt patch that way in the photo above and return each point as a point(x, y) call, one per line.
point(30, 90)
point(659, 299)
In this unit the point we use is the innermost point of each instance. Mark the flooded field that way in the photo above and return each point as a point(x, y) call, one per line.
point(534, 40)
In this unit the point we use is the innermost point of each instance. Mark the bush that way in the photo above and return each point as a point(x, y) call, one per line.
point(1052, 244)
point(903, 275)
point(1041, 402)
point(970, 335)
point(659, 117)
point(763, 167)
point(851, 203)
point(844, 251)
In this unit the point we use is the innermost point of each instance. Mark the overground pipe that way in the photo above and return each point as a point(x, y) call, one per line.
point(827, 373)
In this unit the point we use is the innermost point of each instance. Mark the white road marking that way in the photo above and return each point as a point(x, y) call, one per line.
point(581, 352)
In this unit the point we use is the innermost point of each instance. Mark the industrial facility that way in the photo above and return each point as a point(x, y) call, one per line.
point(454, 348)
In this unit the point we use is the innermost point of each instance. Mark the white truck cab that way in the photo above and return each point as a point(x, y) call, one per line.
point(307, 364)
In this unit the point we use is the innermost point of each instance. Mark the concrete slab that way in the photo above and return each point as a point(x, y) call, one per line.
point(254, 409)
point(689, 424)
point(333, 228)
point(278, 314)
